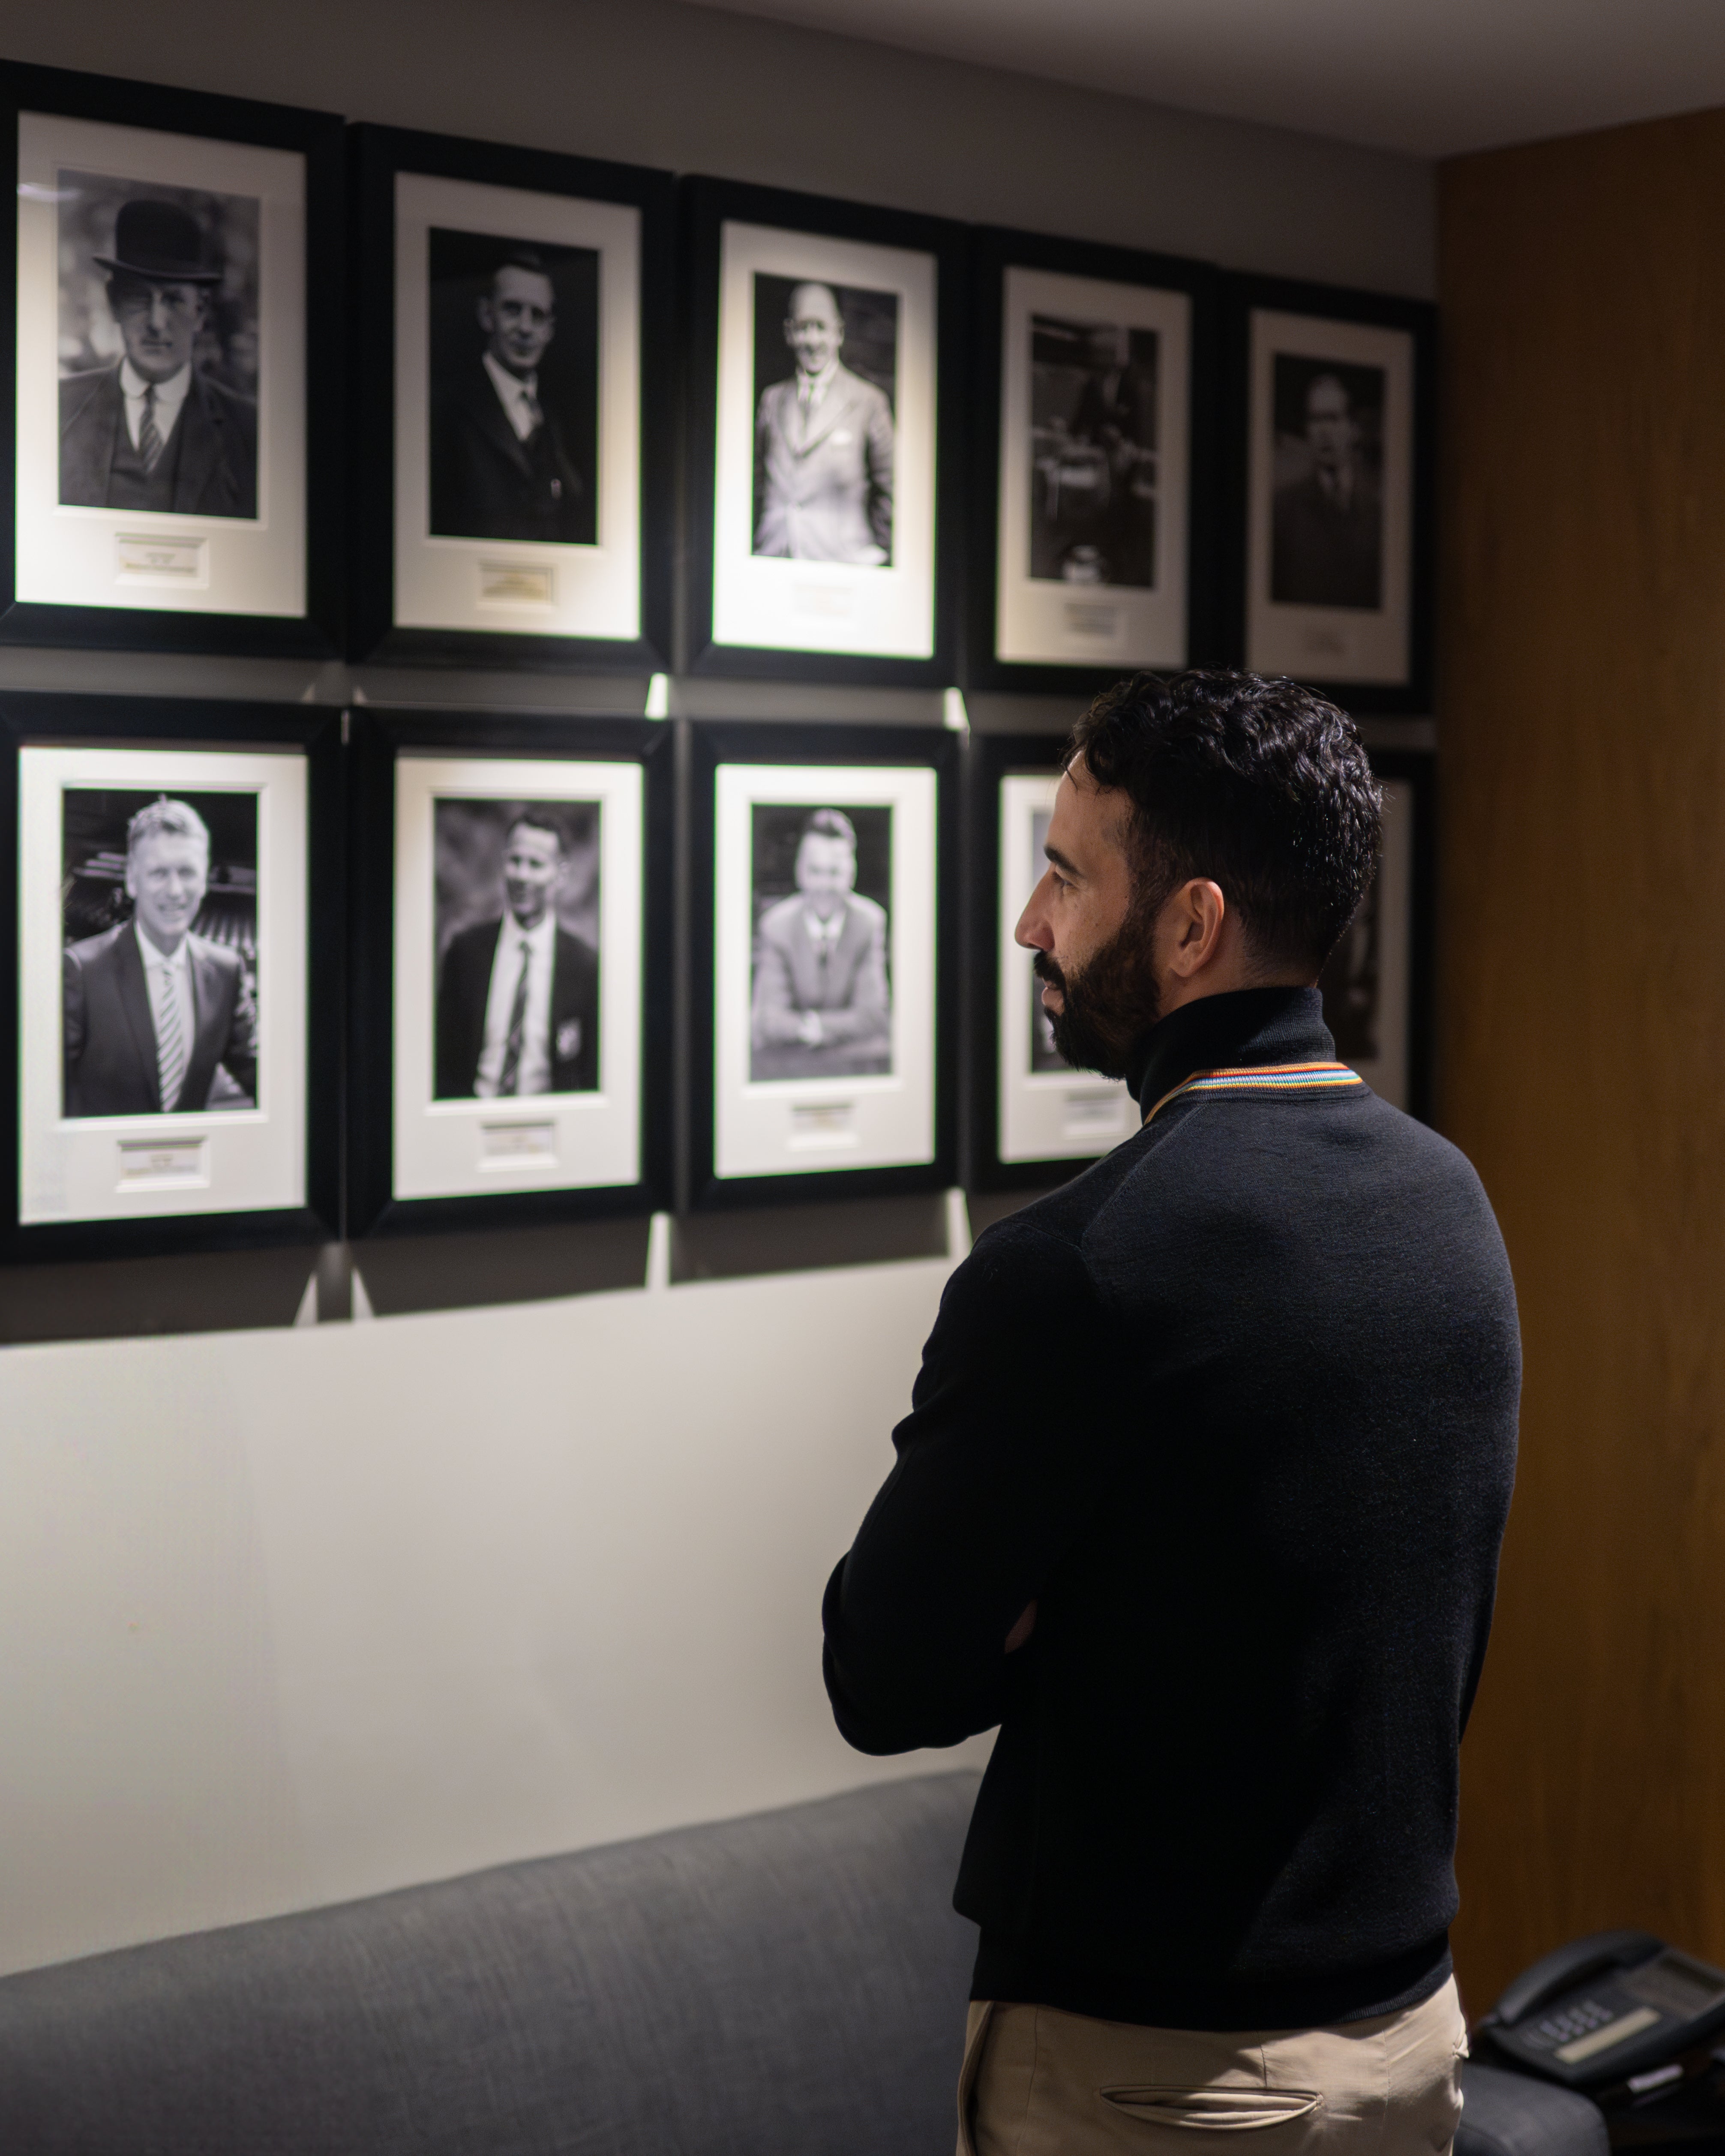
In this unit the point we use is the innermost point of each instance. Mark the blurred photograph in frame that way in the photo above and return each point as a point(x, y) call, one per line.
point(1336, 448)
point(1094, 472)
point(1046, 1110)
point(163, 980)
point(1374, 982)
point(176, 470)
point(823, 1030)
point(819, 440)
point(519, 923)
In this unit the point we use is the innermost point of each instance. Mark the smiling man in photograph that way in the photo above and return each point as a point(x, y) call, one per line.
point(157, 432)
point(822, 1007)
point(1201, 1492)
point(822, 447)
point(500, 467)
point(151, 1010)
point(518, 996)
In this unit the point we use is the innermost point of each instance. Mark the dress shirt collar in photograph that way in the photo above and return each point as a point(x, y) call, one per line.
point(168, 976)
point(170, 396)
point(812, 388)
point(533, 1071)
point(1337, 485)
point(824, 934)
point(519, 396)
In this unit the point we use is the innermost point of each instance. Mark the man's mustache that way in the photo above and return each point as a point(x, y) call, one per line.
point(1045, 969)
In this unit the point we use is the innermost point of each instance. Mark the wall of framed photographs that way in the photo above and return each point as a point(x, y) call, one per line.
point(499, 1528)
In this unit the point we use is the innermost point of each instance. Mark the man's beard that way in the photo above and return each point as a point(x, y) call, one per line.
point(1109, 1005)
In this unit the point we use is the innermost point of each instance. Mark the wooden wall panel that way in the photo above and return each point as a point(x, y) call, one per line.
point(1583, 1007)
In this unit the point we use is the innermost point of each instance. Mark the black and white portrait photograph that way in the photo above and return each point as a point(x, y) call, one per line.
point(1093, 453)
point(165, 955)
point(161, 924)
point(514, 351)
point(517, 996)
point(816, 1032)
point(1326, 512)
point(1090, 495)
point(1368, 982)
point(1032, 1106)
point(815, 389)
point(826, 365)
point(1331, 514)
point(162, 437)
point(821, 1000)
point(518, 930)
point(516, 491)
point(1045, 1056)
point(158, 347)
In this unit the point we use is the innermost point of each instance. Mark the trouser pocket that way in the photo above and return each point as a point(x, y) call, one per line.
point(1213, 2110)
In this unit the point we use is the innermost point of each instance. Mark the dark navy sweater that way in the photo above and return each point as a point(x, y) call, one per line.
point(1237, 1407)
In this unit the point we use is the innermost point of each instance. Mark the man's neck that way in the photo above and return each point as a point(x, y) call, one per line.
point(525, 927)
point(1257, 1024)
point(152, 942)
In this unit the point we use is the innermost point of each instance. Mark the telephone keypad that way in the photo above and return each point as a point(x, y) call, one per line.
point(1579, 2019)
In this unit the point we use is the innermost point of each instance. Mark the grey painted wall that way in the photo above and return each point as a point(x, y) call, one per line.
point(695, 90)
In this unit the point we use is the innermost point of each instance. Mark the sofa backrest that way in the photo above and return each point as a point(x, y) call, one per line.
point(790, 1985)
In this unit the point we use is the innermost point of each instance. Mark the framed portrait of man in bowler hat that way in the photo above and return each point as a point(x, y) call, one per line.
point(176, 472)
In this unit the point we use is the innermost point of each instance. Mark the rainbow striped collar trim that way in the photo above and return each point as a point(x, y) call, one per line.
point(1266, 1078)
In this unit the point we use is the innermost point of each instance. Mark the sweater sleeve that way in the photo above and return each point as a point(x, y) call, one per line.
point(1003, 1455)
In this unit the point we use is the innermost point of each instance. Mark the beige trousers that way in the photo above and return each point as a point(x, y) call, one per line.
point(1039, 2082)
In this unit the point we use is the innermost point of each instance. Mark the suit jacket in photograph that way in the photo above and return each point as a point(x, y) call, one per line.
point(216, 456)
point(486, 483)
point(849, 988)
point(1321, 554)
point(464, 988)
point(824, 476)
point(109, 1035)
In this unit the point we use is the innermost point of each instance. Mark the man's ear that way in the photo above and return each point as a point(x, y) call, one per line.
point(1192, 921)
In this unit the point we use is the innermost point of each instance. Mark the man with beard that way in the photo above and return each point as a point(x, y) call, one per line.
point(1200, 1496)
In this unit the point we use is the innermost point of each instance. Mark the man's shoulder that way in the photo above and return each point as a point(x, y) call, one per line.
point(860, 390)
point(775, 396)
point(225, 403)
point(479, 936)
point(574, 953)
point(218, 956)
point(868, 911)
point(94, 952)
point(80, 390)
point(782, 916)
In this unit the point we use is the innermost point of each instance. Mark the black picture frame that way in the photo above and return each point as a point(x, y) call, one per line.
point(845, 746)
point(1419, 769)
point(376, 738)
point(707, 205)
point(317, 137)
point(1242, 297)
point(50, 719)
point(994, 250)
point(377, 155)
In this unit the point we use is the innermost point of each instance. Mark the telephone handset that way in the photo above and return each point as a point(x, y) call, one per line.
point(1613, 2008)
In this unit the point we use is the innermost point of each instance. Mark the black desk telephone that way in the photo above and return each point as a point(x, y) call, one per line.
point(1615, 2009)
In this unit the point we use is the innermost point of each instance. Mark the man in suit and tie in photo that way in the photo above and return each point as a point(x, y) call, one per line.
point(500, 466)
point(151, 1011)
point(822, 448)
point(156, 432)
point(518, 997)
point(822, 1005)
point(1326, 530)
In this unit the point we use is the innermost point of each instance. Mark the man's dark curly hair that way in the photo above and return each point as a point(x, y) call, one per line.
point(1258, 785)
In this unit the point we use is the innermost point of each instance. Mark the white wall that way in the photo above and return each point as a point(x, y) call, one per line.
point(290, 1616)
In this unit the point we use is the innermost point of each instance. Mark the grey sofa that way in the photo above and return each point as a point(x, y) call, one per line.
point(792, 1984)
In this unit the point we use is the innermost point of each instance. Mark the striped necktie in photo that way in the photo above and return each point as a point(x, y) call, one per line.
point(150, 442)
point(510, 1078)
point(170, 1047)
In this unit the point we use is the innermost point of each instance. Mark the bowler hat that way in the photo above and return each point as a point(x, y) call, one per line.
point(160, 243)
